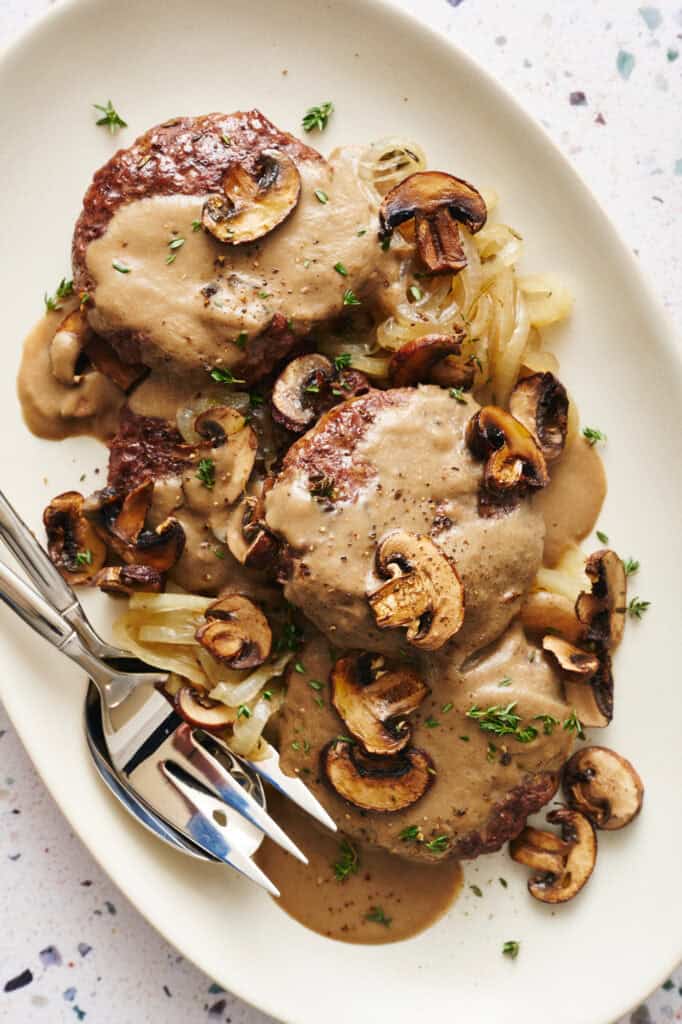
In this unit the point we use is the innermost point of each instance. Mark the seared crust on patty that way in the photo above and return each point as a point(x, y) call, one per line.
point(183, 156)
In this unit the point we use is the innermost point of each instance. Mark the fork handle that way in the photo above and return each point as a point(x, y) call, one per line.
point(48, 581)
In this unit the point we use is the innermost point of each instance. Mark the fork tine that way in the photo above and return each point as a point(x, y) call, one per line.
point(212, 773)
point(206, 830)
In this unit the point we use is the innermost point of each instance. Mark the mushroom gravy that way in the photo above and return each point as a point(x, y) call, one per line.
point(200, 309)
point(571, 503)
point(401, 899)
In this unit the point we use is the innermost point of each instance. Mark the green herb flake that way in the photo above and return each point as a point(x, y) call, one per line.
point(637, 607)
point(386, 243)
point(243, 711)
point(447, 707)
point(296, 745)
point(267, 694)
point(291, 638)
point(241, 340)
point(111, 118)
point(348, 862)
point(264, 295)
point(64, 290)
point(602, 537)
point(431, 722)
point(476, 890)
point(458, 395)
point(316, 118)
point(361, 232)
point(206, 473)
point(573, 724)
point(511, 949)
point(315, 684)
point(592, 435)
point(121, 267)
point(377, 915)
point(438, 844)
point(342, 361)
point(341, 269)
point(350, 298)
point(631, 566)
point(171, 258)
point(196, 225)
point(176, 243)
point(491, 752)
point(298, 667)
point(507, 681)
point(224, 376)
point(415, 292)
point(503, 882)
point(319, 701)
point(464, 739)
point(255, 400)
point(548, 723)
point(321, 196)
point(225, 139)
point(84, 557)
point(502, 721)
point(220, 553)
point(411, 834)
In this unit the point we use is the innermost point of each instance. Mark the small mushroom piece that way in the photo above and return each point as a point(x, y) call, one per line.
point(72, 542)
point(297, 388)
point(106, 360)
point(423, 592)
point(199, 710)
point(157, 549)
point(380, 784)
point(66, 348)
point(436, 201)
point(603, 786)
point(588, 681)
point(227, 429)
point(564, 863)
point(513, 460)
point(602, 611)
point(251, 205)
point(374, 702)
point(415, 361)
point(236, 632)
point(129, 522)
point(247, 537)
point(543, 610)
point(540, 403)
point(129, 579)
point(571, 658)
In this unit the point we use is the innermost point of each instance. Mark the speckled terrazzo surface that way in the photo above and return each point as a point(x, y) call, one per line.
point(605, 79)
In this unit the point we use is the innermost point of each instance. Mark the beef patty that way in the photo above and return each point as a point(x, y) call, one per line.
point(168, 294)
point(387, 460)
point(482, 793)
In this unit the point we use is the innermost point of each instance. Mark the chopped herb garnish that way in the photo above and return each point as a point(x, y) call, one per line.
point(196, 225)
point(84, 557)
point(224, 376)
point(176, 243)
point(206, 473)
point(342, 361)
point(255, 400)
point(502, 721)
point(503, 882)
point(267, 694)
point(350, 298)
point(548, 723)
point(491, 752)
point(602, 537)
point(243, 711)
point(377, 915)
point(511, 948)
point(319, 701)
point(241, 340)
point(386, 243)
point(431, 722)
point(447, 707)
point(464, 739)
point(322, 488)
point(348, 862)
point(219, 552)
point(111, 118)
point(458, 395)
point(505, 682)
point(631, 566)
point(476, 890)
point(321, 196)
point(438, 844)
point(298, 667)
point(171, 258)
point(264, 295)
point(53, 302)
point(315, 118)
point(637, 607)
point(225, 139)
point(573, 724)
point(315, 684)
point(313, 389)
point(361, 232)
point(295, 745)
point(416, 292)
point(121, 267)
point(291, 638)
point(592, 435)
point(341, 269)
point(411, 834)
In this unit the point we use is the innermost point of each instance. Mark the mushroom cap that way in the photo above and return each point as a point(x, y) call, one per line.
point(604, 786)
point(540, 403)
point(199, 710)
point(373, 701)
point(415, 361)
point(295, 389)
point(250, 206)
point(571, 658)
point(129, 579)
point(564, 863)
point(514, 462)
point(423, 592)
point(380, 784)
point(236, 632)
point(160, 548)
point(72, 542)
point(588, 683)
point(602, 611)
point(543, 610)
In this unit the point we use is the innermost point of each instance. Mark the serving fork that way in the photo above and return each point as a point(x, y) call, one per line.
point(198, 792)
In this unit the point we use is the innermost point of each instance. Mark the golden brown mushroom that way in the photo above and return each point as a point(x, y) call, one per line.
point(380, 784)
point(603, 786)
point(374, 700)
point(120, 523)
point(540, 403)
point(543, 610)
point(513, 460)
point(602, 611)
point(247, 537)
point(423, 592)
point(236, 632)
point(75, 348)
point(436, 201)
point(198, 709)
point(129, 579)
point(422, 359)
point(251, 205)
point(72, 542)
point(588, 681)
point(310, 385)
point(564, 863)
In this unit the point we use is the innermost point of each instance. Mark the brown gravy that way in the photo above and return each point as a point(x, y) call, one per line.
point(411, 896)
point(571, 503)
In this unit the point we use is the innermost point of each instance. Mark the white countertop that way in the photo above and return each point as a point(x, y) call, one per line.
point(605, 80)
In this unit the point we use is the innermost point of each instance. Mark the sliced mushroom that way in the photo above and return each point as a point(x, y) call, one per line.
point(251, 205)
point(416, 360)
point(602, 611)
point(130, 519)
point(236, 632)
point(158, 549)
point(540, 403)
point(373, 701)
point(129, 579)
point(423, 592)
point(513, 460)
point(296, 389)
point(588, 682)
point(72, 542)
point(564, 863)
point(203, 712)
point(66, 347)
point(543, 610)
point(436, 201)
point(106, 360)
point(381, 784)
point(247, 537)
point(603, 786)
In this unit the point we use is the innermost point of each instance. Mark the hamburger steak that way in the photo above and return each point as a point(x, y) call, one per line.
point(167, 293)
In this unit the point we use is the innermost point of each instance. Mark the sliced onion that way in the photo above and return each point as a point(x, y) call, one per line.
point(169, 603)
point(235, 693)
point(389, 161)
point(167, 634)
point(510, 356)
point(179, 659)
point(499, 246)
point(548, 298)
point(246, 732)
